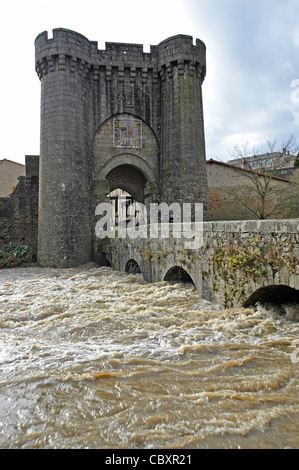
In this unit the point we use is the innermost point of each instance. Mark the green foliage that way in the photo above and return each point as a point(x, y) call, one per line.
point(296, 162)
point(235, 265)
point(14, 254)
point(244, 260)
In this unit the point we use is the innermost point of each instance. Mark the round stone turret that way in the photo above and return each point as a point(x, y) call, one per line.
point(64, 226)
point(182, 69)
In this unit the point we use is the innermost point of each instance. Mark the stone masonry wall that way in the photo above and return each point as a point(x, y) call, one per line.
point(222, 206)
point(19, 211)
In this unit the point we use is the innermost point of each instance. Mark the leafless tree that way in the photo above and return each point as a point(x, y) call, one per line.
point(263, 196)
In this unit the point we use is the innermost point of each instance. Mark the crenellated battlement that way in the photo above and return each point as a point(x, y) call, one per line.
point(64, 41)
point(178, 55)
point(181, 47)
point(69, 50)
point(66, 50)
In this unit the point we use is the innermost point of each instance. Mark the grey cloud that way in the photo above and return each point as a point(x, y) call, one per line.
point(253, 59)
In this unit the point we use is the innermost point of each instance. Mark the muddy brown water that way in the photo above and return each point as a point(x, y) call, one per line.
point(94, 358)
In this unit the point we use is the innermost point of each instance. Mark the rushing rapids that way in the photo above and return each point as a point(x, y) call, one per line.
point(93, 358)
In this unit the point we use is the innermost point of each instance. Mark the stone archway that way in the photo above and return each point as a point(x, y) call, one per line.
point(178, 274)
point(128, 178)
point(274, 294)
point(125, 158)
point(132, 267)
point(127, 194)
point(132, 161)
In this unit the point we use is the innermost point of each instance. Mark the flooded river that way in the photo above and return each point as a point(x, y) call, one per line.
point(94, 358)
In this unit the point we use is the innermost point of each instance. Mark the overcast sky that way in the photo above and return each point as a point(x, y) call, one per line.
point(251, 90)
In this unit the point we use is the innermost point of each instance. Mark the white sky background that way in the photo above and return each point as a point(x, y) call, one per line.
point(252, 61)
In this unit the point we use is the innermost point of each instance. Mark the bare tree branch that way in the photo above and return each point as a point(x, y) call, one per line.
point(262, 196)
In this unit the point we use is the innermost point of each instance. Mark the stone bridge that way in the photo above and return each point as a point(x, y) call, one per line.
point(239, 263)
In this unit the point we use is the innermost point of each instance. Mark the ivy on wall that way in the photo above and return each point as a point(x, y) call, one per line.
point(235, 266)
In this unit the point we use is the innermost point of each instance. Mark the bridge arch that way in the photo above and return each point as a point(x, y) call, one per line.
point(178, 274)
point(132, 267)
point(277, 295)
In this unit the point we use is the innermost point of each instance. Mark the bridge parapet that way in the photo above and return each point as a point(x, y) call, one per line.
point(235, 260)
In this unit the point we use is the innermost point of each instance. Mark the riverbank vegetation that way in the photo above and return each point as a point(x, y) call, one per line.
point(15, 254)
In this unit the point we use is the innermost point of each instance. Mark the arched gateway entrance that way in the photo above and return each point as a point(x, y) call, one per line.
point(125, 161)
point(129, 179)
point(125, 156)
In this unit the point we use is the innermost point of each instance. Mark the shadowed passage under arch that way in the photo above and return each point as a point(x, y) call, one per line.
point(132, 267)
point(277, 295)
point(178, 274)
point(129, 179)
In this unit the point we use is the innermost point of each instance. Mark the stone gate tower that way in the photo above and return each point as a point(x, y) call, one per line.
point(114, 118)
